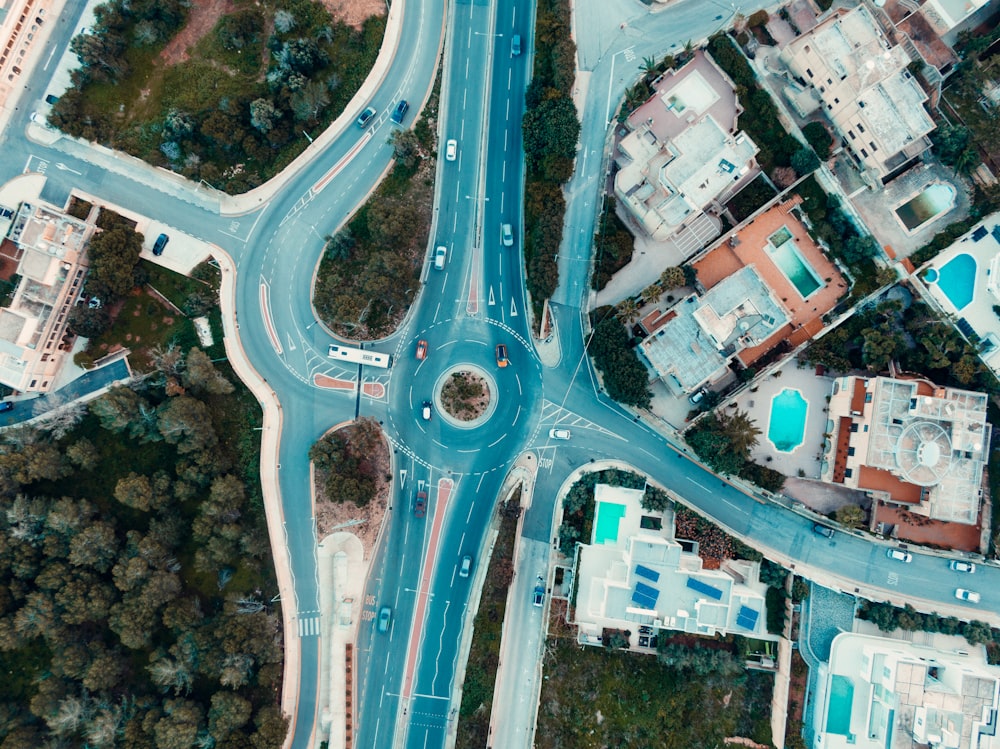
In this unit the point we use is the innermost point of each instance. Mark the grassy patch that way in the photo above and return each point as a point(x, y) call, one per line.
point(751, 198)
point(593, 697)
point(176, 287)
point(484, 656)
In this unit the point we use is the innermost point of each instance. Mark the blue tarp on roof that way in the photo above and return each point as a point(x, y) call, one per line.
point(647, 573)
point(747, 618)
point(704, 588)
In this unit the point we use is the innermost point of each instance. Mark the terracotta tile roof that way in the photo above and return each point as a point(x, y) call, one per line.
point(843, 443)
point(858, 396)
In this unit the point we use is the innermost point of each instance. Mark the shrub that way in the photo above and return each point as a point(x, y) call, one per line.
point(758, 18)
point(625, 377)
point(819, 138)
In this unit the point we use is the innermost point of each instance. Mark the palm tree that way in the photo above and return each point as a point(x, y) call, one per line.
point(648, 65)
point(627, 310)
point(741, 431)
point(966, 161)
point(652, 292)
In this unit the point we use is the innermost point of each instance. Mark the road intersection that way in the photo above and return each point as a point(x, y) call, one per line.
point(407, 683)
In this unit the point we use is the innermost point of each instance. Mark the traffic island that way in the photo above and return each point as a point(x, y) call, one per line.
point(465, 396)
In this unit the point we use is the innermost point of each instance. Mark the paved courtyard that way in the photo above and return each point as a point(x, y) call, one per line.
point(803, 460)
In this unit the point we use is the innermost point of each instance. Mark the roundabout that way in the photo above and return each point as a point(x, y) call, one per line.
point(465, 395)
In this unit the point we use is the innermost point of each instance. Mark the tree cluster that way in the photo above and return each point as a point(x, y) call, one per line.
point(888, 618)
point(346, 463)
point(220, 117)
point(625, 377)
point(121, 621)
point(551, 129)
point(613, 246)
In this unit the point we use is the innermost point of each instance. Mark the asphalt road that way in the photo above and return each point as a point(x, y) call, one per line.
point(463, 312)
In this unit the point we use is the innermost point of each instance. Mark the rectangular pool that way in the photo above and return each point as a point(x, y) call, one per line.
point(790, 262)
point(838, 712)
point(607, 516)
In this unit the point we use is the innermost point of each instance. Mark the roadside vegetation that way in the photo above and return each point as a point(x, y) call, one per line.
point(347, 463)
point(724, 440)
point(694, 693)
point(370, 270)
point(625, 376)
point(613, 245)
point(232, 110)
point(137, 575)
point(484, 654)
point(888, 618)
point(551, 130)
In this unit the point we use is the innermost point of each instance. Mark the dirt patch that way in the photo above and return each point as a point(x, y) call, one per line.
point(202, 17)
point(354, 12)
point(465, 396)
point(363, 521)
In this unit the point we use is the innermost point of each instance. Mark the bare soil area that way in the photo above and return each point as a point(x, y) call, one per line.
point(202, 17)
point(331, 515)
point(354, 12)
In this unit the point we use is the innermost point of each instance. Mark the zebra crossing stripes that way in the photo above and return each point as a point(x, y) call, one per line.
point(309, 626)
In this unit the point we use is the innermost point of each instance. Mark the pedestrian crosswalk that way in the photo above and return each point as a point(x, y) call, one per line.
point(309, 626)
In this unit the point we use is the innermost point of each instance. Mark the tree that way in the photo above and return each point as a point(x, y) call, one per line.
point(673, 277)
point(625, 377)
point(114, 257)
point(627, 310)
point(406, 147)
point(178, 729)
point(740, 430)
point(201, 376)
point(880, 346)
point(134, 491)
point(88, 322)
point(758, 18)
point(186, 422)
point(819, 138)
point(263, 115)
point(551, 131)
point(804, 161)
point(95, 546)
point(309, 101)
point(655, 499)
point(859, 247)
point(229, 712)
point(851, 516)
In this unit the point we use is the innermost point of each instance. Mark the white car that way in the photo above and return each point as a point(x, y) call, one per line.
point(966, 595)
point(560, 434)
point(506, 235)
point(440, 256)
point(899, 555)
point(451, 150)
point(960, 566)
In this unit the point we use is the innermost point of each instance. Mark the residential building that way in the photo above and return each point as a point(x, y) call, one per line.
point(634, 573)
point(865, 90)
point(21, 32)
point(884, 693)
point(48, 248)
point(768, 284)
point(683, 152)
point(909, 443)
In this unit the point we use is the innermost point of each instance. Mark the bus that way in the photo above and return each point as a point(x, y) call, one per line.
point(359, 356)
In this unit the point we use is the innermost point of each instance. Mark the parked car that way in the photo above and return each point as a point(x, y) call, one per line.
point(466, 567)
point(451, 150)
point(966, 595)
point(51, 99)
point(696, 398)
point(421, 350)
point(960, 566)
point(560, 434)
point(160, 244)
point(6, 406)
point(400, 112)
point(899, 555)
point(501, 355)
point(823, 530)
point(506, 235)
point(366, 117)
point(384, 619)
point(538, 597)
point(515, 45)
point(425, 411)
point(440, 257)
point(420, 505)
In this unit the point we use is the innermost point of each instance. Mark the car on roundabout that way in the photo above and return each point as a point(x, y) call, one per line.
point(421, 350)
point(425, 411)
point(560, 434)
point(502, 360)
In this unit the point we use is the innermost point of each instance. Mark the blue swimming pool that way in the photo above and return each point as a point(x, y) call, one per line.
point(838, 713)
point(787, 423)
point(928, 203)
point(785, 254)
point(957, 279)
point(607, 516)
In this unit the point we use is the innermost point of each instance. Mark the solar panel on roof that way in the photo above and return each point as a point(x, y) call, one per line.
point(647, 590)
point(747, 618)
point(979, 233)
point(964, 326)
point(704, 588)
point(644, 601)
point(647, 573)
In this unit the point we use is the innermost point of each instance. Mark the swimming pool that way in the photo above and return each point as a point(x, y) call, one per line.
point(957, 280)
point(607, 516)
point(838, 712)
point(787, 423)
point(934, 199)
point(789, 260)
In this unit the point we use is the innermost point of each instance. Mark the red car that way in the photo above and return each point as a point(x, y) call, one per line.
point(420, 506)
point(421, 350)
